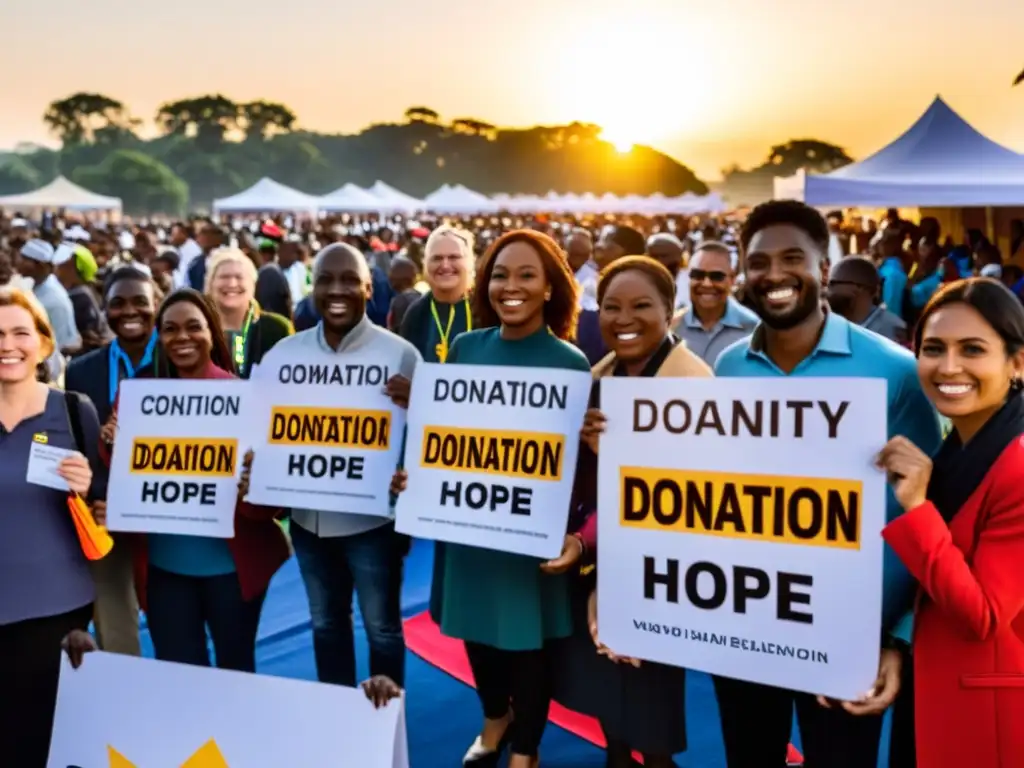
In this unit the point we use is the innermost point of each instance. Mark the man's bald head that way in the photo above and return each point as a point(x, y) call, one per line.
point(336, 252)
point(667, 249)
point(579, 247)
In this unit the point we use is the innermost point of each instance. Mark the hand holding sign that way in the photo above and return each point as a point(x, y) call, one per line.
point(399, 481)
point(602, 649)
point(109, 430)
point(397, 389)
point(908, 469)
point(380, 689)
point(243, 480)
point(76, 472)
point(76, 644)
point(594, 424)
point(882, 694)
point(572, 551)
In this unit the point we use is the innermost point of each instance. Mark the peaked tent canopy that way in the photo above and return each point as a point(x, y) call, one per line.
point(458, 199)
point(941, 161)
point(62, 193)
point(394, 201)
point(267, 195)
point(350, 198)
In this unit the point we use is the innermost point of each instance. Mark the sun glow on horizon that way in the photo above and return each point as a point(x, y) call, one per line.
point(614, 73)
point(621, 140)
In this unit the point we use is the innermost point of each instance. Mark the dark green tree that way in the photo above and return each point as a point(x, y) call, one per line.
point(218, 147)
point(77, 118)
point(262, 119)
point(17, 176)
point(806, 154)
point(208, 119)
point(145, 185)
point(422, 115)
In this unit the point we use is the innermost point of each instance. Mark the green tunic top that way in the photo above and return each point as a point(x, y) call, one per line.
point(497, 598)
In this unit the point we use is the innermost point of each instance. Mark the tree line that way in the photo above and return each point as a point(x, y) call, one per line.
point(212, 146)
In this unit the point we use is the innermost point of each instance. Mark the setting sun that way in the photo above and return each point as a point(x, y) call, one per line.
point(621, 140)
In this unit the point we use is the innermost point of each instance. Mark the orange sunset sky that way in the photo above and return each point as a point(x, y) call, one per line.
point(711, 83)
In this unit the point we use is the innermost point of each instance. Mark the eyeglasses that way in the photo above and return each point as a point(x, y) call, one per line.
point(715, 276)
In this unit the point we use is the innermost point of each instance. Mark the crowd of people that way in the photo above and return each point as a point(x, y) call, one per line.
point(772, 294)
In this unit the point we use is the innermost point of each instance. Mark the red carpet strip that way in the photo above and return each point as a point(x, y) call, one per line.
point(423, 638)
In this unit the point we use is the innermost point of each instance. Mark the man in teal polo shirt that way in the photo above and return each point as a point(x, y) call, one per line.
point(784, 244)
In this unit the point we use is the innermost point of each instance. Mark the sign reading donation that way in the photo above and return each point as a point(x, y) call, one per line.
point(330, 438)
point(491, 455)
point(176, 457)
point(740, 527)
point(128, 712)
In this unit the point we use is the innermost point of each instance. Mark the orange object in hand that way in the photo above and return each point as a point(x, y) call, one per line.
point(93, 538)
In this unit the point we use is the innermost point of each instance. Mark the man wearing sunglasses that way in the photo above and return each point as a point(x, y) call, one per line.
point(853, 293)
point(714, 319)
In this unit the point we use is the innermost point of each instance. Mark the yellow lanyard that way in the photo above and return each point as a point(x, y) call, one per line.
point(441, 350)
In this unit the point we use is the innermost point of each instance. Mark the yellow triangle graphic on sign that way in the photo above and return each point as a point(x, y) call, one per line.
point(207, 756)
point(117, 760)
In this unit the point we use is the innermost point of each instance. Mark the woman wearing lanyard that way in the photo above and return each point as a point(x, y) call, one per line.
point(130, 304)
point(190, 583)
point(434, 321)
point(231, 284)
point(508, 609)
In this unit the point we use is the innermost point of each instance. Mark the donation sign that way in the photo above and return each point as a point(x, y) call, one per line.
point(127, 712)
point(491, 456)
point(177, 458)
point(740, 526)
point(329, 437)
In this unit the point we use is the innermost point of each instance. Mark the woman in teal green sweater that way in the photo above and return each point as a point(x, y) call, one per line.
point(508, 609)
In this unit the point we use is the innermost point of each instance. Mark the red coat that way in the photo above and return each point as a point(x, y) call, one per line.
point(969, 623)
point(259, 546)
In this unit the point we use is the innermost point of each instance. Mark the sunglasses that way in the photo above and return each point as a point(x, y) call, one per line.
point(715, 276)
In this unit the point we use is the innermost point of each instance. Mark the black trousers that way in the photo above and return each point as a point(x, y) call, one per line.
point(902, 747)
point(522, 679)
point(757, 721)
point(29, 671)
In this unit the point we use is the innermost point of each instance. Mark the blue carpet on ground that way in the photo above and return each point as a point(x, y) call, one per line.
point(443, 715)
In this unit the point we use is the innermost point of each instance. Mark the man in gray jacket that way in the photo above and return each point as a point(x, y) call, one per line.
point(341, 553)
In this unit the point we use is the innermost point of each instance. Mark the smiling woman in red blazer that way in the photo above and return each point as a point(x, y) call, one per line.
point(962, 536)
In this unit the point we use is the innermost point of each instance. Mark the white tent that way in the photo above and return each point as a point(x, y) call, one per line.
point(267, 195)
point(941, 161)
point(458, 199)
point(351, 199)
point(61, 193)
point(394, 200)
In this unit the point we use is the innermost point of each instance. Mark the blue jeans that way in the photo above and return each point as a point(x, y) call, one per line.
point(371, 564)
point(180, 608)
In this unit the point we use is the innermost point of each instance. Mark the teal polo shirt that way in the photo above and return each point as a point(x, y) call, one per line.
point(847, 350)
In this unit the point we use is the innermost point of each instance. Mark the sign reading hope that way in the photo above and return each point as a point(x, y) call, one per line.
point(176, 458)
point(491, 456)
point(328, 437)
point(779, 578)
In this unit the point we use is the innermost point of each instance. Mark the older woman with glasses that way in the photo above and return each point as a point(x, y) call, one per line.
point(251, 333)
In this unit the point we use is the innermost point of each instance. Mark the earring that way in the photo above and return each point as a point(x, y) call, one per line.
point(547, 297)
